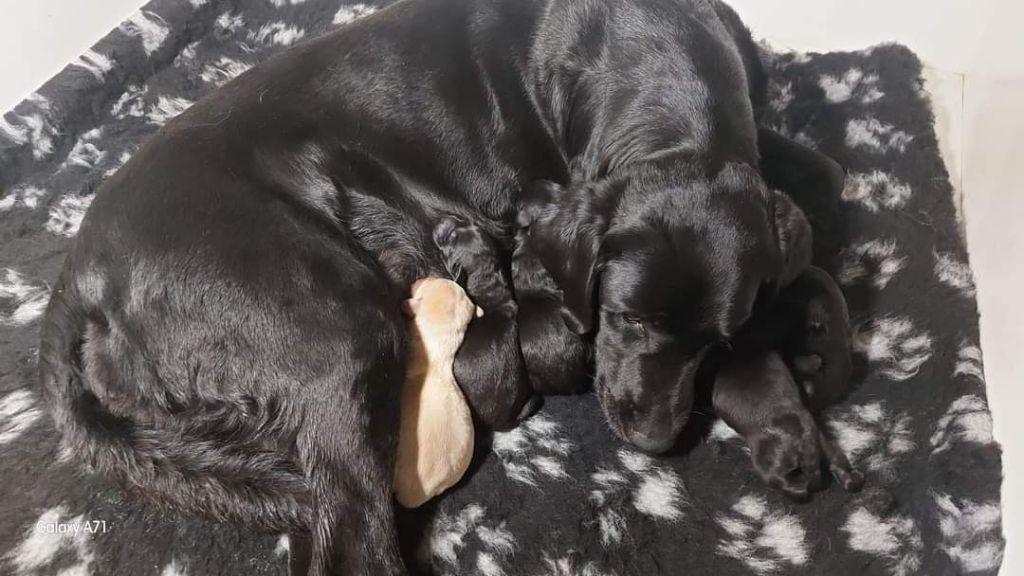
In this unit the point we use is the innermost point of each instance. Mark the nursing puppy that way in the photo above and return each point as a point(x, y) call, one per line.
point(558, 360)
point(473, 258)
point(435, 440)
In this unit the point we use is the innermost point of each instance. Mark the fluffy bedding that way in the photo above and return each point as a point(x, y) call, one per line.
point(559, 495)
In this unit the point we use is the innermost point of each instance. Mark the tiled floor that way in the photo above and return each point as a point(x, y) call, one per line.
point(980, 121)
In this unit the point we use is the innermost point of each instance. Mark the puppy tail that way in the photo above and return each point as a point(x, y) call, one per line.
point(207, 463)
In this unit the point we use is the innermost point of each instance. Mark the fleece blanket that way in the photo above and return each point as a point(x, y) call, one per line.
point(559, 495)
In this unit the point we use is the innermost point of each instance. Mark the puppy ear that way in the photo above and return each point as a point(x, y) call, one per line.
point(793, 233)
point(566, 234)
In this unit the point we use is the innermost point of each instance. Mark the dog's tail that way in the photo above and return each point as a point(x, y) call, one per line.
point(206, 463)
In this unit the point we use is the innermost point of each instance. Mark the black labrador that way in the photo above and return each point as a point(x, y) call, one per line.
point(226, 336)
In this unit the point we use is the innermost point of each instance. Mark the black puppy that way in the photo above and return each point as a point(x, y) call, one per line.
point(557, 359)
point(755, 394)
point(818, 348)
point(474, 260)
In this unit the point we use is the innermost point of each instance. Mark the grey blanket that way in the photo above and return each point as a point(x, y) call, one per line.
point(560, 495)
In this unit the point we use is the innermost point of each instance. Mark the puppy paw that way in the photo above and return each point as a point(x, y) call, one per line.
point(790, 461)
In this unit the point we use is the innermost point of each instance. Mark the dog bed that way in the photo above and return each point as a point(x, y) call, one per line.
point(559, 495)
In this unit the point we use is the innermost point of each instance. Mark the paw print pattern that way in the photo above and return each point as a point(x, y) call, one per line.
point(571, 565)
point(894, 539)
point(893, 345)
point(534, 450)
point(25, 197)
point(854, 84)
point(969, 362)
point(649, 489)
point(875, 136)
point(868, 434)
point(875, 190)
point(877, 261)
point(21, 301)
point(971, 533)
point(768, 541)
point(949, 270)
point(966, 420)
point(450, 535)
point(55, 543)
point(18, 413)
point(67, 214)
point(38, 128)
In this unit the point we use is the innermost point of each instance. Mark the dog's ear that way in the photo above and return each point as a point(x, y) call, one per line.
point(793, 233)
point(567, 226)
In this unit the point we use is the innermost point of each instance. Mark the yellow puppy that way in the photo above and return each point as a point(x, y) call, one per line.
point(435, 442)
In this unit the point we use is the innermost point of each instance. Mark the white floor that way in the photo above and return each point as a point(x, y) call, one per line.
point(975, 55)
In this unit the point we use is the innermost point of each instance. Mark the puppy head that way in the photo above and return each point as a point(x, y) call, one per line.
point(463, 246)
point(441, 312)
point(787, 455)
point(667, 265)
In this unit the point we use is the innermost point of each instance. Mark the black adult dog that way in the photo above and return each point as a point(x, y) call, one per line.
point(226, 336)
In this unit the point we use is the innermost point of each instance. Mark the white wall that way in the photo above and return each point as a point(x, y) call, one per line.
point(38, 37)
point(955, 35)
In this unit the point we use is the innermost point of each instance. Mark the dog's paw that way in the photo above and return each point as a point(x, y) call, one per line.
point(789, 459)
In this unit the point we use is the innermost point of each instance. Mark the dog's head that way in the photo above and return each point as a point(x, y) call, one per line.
point(667, 267)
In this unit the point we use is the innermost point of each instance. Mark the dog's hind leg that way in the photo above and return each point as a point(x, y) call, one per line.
point(347, 449)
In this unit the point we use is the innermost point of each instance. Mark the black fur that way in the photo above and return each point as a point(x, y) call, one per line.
point(818, 349)
point(226, 336)
point(493, 377)
point(801, 336)
point(671, 262)
point(754, 393)
point(557, 359)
